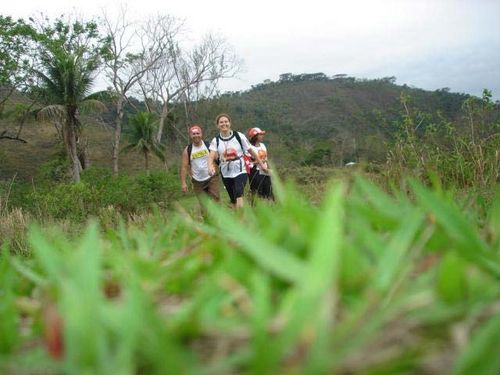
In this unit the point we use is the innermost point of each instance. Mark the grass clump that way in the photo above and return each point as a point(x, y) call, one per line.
point(363, 282)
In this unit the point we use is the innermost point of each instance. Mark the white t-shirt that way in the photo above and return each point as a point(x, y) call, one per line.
point(199, 162)
point(261, 150)
point(231, 154)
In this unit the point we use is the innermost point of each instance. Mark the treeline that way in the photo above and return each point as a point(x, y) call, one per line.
point(339, 78)
point(330, 121)
point(149, 66)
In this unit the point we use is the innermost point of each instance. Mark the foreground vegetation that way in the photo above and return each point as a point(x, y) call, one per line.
point(364, 282)
point(372, 272)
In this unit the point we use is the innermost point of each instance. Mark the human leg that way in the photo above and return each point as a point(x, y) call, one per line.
point(265, 187)
point(253, 182)
point(212, 188)
point(253, 179)
point(199, 191)
point(239, 189)
point(229, 185)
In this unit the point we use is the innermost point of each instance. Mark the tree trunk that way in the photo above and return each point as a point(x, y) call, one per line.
point(161, 125)
point(146, 160)
point(71, 148)
point(117, 135)
point(83, 154)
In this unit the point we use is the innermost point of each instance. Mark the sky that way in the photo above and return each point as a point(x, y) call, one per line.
point(429, 44)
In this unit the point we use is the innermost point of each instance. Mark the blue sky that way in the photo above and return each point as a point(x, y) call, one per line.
point(423, 43)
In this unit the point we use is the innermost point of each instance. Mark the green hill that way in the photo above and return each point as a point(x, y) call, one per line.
point(310, 119)
point(350, 119)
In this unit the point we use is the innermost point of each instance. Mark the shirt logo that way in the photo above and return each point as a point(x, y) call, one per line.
point(230, 154)
point(199, 154)
point(262, 155)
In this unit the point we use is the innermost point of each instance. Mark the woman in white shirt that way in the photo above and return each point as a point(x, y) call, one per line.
point(260, 180)
point(229, 147)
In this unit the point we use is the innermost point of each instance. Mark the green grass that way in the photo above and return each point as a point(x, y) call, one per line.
point(361, 282)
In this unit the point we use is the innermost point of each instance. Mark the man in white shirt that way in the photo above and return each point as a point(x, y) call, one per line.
point(195, 163)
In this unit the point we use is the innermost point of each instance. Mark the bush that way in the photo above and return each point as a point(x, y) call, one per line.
point(98, 190)
point(56, 170)
point(461, 155)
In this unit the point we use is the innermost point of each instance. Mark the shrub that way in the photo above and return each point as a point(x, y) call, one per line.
point(461, 156)
point(13, 230)
point(56, 170)
point(99, 190)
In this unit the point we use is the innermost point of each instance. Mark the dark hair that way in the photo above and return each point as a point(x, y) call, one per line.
point(222, 115)
point(253, 140)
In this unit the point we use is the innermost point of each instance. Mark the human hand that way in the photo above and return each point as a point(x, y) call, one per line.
point(184, 188)
point(211, 170)
point(263, 167)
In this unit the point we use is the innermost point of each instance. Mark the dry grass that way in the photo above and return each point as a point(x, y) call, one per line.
point(25, 159)
point(13, 230)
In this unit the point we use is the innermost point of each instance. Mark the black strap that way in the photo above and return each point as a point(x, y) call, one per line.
point(235, 135)
point(238, 138)
point(190, 149)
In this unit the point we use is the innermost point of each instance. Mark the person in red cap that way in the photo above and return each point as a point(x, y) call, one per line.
point(229, 148)
point(260, 179)
point(195, 163)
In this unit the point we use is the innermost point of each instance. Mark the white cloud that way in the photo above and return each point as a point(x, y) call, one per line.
point(414, 40)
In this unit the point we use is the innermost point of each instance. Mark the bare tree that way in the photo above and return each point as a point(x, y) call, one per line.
point(157, 85)
point(183, 74)
point(128, 57)
point(207, 63)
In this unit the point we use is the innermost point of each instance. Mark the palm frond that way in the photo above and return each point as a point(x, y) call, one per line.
point(52, 112)
point(142, 137)
point(104, 96)
point(159, 151)
point(128, 148)
point(92, 106)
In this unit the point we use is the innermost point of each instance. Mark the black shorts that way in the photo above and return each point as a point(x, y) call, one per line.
point(261, 184)
point(254, 180)
point(235, 186)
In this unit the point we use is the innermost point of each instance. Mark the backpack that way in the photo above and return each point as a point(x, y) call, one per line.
point(190, 149)
point(247, 160)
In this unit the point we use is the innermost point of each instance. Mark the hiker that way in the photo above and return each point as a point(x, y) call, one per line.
point(229, 147)
point(195, 161)
point(260, 180)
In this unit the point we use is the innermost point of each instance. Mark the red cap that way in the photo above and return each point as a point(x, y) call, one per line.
point(255, 131)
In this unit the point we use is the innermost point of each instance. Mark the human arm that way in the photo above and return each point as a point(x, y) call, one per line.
point(248, 148)
point(184, 170)
point(212, 156)
point(257, 160)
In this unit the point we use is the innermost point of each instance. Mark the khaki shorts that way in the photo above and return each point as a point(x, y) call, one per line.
point(209, 187)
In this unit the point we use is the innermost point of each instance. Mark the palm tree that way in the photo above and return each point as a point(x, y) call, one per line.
point(65, 85)
point(143, 137)
point(68, 59)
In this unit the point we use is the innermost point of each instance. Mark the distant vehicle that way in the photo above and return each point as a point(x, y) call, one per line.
point(350, 164)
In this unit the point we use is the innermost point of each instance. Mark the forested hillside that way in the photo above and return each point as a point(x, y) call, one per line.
point(338, 119)
point(311, 119)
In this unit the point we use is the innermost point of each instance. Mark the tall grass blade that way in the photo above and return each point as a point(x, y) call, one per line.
point(270, 256)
